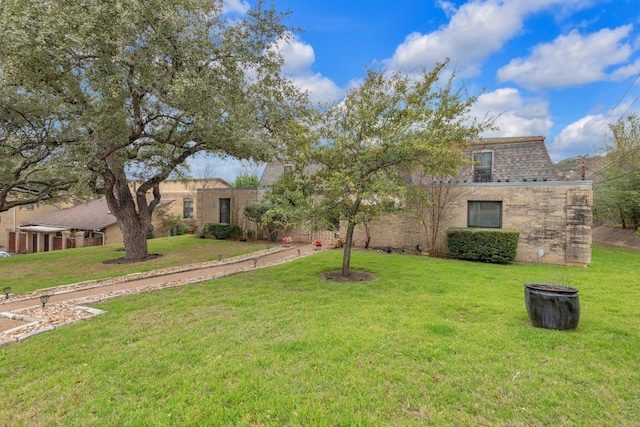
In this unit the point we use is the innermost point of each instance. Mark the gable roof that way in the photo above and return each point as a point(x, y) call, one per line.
point(92, 215)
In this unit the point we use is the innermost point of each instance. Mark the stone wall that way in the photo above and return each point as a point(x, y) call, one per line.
point(553, 216)
point(208, 205)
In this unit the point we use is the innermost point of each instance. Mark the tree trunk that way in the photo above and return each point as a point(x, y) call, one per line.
point(135, 237)
point(368, 241)
point(348, 243)
point(134, 219)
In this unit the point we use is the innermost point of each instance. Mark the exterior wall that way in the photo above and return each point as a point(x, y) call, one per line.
point(10, 220)
point(112, 234)
point(208, 205)
point(174, 192)
point(553, 216)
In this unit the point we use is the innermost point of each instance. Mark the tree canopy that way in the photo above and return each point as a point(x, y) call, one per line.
point(368, 144)
point(34, 166)
point(617, 184)
point(147, 84)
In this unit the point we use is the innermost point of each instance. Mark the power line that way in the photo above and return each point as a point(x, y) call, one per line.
point(614, 162)
point(616, 177)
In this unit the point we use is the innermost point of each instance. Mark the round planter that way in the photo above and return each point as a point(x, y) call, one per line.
point(552, 306)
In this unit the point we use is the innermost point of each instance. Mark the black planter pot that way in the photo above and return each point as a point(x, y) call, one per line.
point(552, 306)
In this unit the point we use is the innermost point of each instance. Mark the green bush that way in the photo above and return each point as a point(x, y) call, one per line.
point(218, 231)
point(481, 244)
point(236, 232)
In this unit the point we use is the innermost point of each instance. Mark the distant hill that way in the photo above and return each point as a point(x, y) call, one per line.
point(570, 169)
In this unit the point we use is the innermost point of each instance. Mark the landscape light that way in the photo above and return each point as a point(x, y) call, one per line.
point(44, 299)
point(7, 290)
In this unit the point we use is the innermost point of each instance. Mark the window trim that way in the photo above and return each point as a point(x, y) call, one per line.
point(475, 225)
point(474, 165)
point(185, 214)
point(228, 213)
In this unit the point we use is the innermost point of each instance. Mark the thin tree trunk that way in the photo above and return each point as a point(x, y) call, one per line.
point(348, 243)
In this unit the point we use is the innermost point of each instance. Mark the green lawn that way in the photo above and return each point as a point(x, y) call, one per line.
point(430, 342)
point(25, 273)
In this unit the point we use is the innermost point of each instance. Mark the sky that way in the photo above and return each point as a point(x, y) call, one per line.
point(563, 69)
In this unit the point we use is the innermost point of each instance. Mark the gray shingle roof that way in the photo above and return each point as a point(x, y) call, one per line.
point(92, 215)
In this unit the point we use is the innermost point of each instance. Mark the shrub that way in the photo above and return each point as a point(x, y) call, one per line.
point(236, 232)
point(480, 244)
point(218, 231)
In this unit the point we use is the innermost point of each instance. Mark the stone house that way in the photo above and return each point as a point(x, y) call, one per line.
point(45, 227)
point(510, 183)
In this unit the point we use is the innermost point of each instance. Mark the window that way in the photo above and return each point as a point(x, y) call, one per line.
point(30, 207)
point(482, 166)
point(225, 211)
point(484, 214)
point(187, 208)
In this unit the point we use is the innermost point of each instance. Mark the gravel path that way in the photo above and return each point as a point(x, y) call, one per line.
point(22, 316)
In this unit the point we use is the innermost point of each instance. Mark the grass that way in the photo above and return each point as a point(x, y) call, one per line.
point(430, 342)
point(25, 273)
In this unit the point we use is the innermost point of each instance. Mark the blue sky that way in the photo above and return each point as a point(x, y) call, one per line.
point(563, 69)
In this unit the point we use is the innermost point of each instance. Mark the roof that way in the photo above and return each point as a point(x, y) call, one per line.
point(274, 170)
point(92, 215)
point(522, 159)
point(515, 159)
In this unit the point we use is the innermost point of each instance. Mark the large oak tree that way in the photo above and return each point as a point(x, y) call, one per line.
point(148, 84)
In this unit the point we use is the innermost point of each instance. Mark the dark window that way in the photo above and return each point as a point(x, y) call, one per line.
point(484, 214)
point(225, 211)
point(30, 207)
point(187, 208)
point(482, 166)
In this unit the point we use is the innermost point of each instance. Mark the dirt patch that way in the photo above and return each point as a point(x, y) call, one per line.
point(354, 276)
point(123, 260)
point(616, 237)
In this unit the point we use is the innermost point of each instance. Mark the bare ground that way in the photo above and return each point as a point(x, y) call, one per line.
point(616, 237)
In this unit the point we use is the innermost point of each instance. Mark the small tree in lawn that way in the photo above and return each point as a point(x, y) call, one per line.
point(428, 200)
point(433, 189)
point(366, 144)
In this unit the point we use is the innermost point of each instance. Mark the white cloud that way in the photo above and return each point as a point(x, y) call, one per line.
point(626, 71)
point(515, 116)
point(239, 6)
point(588, 134)
point(584, 136)
point(571, 59)
point(298, 61)
point(476, 30)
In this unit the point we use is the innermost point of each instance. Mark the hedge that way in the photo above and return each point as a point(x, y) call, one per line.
point(481, 244)
point(218, 231)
